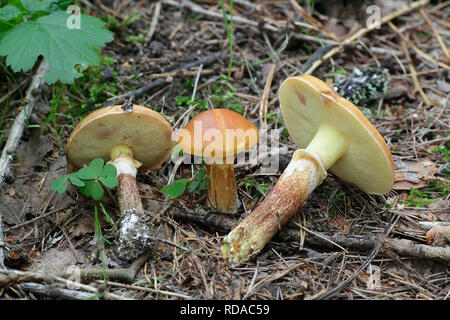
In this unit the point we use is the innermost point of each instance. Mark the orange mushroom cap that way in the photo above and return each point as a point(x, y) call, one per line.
point(218, 133)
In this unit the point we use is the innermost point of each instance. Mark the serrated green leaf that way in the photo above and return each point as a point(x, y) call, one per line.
point(33, 6)
point(63, 48)
point(175, 189)
point(92, 189)
point(9, 12)
point(109, 176)
point(59, 184)
point(75, 180)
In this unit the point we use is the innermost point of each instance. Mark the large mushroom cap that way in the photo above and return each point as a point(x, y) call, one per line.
point(307, 103)
point(144, 130)
point(218, 132)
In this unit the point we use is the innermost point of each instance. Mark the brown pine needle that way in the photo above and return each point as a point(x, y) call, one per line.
point(438, 37)
point(417, 86)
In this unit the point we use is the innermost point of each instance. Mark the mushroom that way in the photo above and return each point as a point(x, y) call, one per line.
point(130, 137)
point(335, 135)
point(218, 135)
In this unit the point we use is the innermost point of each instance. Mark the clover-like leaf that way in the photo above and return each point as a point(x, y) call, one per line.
point(75, 180)
point(97, 165)
point(175, 189)
point(92, 189)
point(60, 184)
point(92, 171)
point(109, 176)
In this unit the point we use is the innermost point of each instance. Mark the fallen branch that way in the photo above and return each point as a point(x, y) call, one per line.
point(352, 242)
point(15, 135)
point(11, 277)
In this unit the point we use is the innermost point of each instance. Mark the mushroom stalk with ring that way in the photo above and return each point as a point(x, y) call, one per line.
point(132, 138)
point(332, 134)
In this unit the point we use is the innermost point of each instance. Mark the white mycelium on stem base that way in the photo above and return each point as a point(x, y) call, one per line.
point(336, 136)
point(130, 138)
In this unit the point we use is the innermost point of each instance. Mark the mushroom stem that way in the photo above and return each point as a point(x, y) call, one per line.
point(222, 189)
point(306, 170)
point(329, 144)
point(128, 194)
point(134, 231)
point(303, 174)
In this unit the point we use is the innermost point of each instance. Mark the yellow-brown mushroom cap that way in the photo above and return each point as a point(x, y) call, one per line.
point(307, 103)
point(145, 131)
point(218, 133)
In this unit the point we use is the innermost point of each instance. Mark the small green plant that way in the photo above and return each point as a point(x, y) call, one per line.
point(89, 179)
point(34, 28)
point(187, 102)
point(178, 187)
point(418, 199)
point(259, 187)
point(444, 150)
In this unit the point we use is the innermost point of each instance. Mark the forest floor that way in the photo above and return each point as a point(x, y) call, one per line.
point(344, 244)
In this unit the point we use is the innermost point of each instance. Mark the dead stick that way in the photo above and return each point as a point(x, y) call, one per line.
point(154, 22)
point(15, 135)
point(404, 247)
point(363, 31)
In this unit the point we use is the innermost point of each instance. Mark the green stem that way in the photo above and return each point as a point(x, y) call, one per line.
point(99, 243)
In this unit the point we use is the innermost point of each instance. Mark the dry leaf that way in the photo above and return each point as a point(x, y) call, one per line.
point(413, 174)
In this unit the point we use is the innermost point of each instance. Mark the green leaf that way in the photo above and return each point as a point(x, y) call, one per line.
point(92, 189)
point(92, 171)
point(86, 173)
point(192, 186)
point(97, 165)
point(60, 184)
point(33, 6)
point(65, 49)
point(175, 189)
point(73, 177)
point(109, 176)
point(200, 175)
point(107, 216)
point(204, 184)
point(9, 12)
